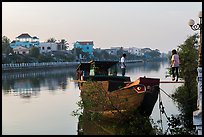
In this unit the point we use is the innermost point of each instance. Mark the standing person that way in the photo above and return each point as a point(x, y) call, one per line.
point(123, 66)
point(175, 64)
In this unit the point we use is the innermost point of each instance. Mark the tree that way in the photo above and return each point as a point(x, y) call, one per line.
point(63, 44)
point(52, 40)
point(154, 53)
point(188, 57)
point(6, 49)
point(186, 95)
point(34, 52)
point(120, 51)
point(188, 53)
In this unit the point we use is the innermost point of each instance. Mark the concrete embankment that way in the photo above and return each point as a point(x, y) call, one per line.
point(47, 65)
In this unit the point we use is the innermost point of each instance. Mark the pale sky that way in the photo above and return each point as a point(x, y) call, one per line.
point(155, 25)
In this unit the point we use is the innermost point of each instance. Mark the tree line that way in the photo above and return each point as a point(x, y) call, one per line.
point(75, 54)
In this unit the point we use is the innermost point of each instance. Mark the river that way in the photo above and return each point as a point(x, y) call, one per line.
point(42, 102)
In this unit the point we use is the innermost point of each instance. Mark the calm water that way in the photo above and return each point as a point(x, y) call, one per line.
point(41, 102)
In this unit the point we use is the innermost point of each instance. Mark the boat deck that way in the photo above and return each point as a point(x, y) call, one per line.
point(105, 78)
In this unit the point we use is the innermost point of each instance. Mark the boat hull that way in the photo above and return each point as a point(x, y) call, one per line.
point(97, 98)
point(110, 99)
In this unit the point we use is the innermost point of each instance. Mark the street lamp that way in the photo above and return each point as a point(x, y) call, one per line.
point(195, 27)
point(197, 115)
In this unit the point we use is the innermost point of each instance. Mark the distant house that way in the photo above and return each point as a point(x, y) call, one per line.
point(25, 40)
point(136, 51)
point(21, 50)
point(86, 46)
point(48, 47)
point(97, 50)
point(112, 51)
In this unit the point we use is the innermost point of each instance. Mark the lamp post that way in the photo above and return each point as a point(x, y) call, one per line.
point(197, 115)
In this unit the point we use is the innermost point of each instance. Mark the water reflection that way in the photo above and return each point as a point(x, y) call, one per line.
point(146, 67)
point(23, 93)
point(94, 124)
point(133, 126)
point(46, 101)
point(29, 83)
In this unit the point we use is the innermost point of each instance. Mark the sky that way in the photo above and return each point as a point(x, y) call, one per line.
point(155, 25)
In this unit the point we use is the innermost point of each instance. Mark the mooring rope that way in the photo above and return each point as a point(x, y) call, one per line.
point(167, 94)
point(175, 100)
point(162, 111)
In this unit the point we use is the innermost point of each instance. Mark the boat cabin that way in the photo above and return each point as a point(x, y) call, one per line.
point(99, 71)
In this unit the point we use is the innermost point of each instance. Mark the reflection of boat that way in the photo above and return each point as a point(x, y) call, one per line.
point(104, 92)
point(93, 124)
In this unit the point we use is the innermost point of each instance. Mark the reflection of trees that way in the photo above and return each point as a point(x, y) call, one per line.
point(35, 82)
point(39, 73)
point(7, 84)
point(36, 79)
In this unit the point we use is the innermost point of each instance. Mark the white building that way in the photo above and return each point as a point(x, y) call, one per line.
point(48, 47)
point(21, 50)
point(25, 40)
point(136, 51)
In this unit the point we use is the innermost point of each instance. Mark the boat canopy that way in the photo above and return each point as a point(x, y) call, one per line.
point(97, 69)
point(84, 66)
point(103, 64)
point(98, 64)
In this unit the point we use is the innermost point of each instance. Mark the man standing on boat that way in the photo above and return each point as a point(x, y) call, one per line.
point(123, 66)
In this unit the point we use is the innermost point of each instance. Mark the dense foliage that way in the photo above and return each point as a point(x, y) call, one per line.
point(186, 95)
point(5, 45)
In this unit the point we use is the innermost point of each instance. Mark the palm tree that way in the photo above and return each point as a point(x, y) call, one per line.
point(52, 40)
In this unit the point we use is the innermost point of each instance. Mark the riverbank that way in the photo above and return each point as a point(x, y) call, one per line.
point(26, 66)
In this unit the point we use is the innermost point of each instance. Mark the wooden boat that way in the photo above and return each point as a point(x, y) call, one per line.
point(103, 92)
